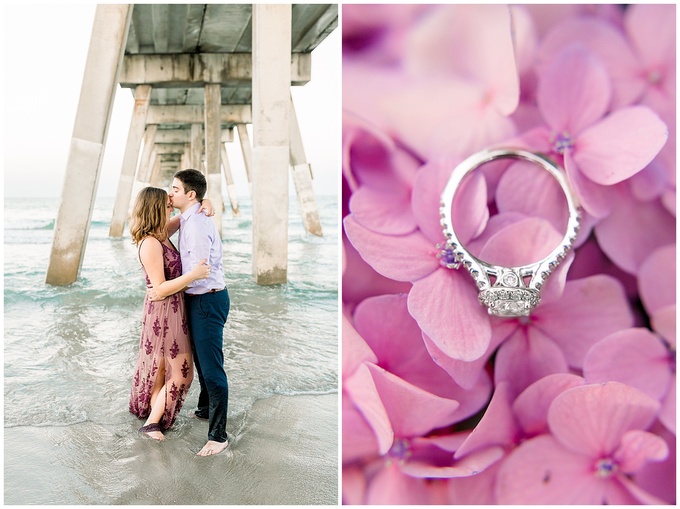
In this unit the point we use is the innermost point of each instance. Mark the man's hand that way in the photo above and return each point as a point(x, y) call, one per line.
point(151, 293)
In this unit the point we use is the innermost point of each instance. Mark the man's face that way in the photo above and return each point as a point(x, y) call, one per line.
point(178, 197)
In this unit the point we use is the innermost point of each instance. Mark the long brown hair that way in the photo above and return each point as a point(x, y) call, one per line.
point(149, 215)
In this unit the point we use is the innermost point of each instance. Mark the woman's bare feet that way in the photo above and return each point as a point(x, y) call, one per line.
point(211, 447)
point(153, 431)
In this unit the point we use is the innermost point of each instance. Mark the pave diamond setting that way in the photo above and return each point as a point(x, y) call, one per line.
point(509, 302)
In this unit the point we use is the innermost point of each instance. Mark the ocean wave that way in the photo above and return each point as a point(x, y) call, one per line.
point(33, 225)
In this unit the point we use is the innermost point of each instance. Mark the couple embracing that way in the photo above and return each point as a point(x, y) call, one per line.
point(185, 309)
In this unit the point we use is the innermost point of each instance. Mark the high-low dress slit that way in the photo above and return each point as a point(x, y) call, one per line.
point(165, 339)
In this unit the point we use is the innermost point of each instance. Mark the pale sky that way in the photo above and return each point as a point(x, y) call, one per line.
point(45, 47)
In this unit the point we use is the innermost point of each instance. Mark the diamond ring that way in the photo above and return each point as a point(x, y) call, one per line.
point(505, 290)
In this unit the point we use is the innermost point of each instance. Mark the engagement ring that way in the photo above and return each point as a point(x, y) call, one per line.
point(506, 291)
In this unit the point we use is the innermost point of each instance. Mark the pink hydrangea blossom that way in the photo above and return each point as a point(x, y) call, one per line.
point(441, 402)
point(597, 442)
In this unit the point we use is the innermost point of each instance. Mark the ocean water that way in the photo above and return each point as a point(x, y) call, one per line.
point(69, 352)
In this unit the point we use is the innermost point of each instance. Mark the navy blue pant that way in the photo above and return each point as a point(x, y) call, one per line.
point(207, 315)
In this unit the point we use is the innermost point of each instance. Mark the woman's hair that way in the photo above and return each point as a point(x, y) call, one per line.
point(149, 215)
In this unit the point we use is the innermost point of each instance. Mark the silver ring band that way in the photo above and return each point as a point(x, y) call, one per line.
point(509, 295)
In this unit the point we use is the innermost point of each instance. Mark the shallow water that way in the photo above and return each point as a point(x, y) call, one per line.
point(70, 351)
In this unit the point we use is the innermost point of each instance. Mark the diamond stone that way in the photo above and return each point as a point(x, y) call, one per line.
point(509, 302)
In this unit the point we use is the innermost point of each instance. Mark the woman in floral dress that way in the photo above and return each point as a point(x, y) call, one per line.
point(165, 366)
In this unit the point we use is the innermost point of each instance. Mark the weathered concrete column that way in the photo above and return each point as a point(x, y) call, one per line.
point(196, 147)
point(155, 163)
point(271, 100)
point(143, 177)
point(302, 178)
point(185, 161)
point(213, 135)
point(247, 151)
point(97, 93)
point(130, 157)
point(231, 187)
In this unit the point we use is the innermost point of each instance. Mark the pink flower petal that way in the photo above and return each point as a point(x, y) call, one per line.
point(480, 37)
point(542, 471)
point(620, 145)
point(660, 478)
point(354, 349)
point(667, 415)
point(382, 212)
point(527, 356)
point(467, 466)
point(606, 42)
point(554, 287)
point(527, 189)
point(663, 322)
point(469, 211)
point(475, 489)
point(447, 309)
point(451, 116)
point(592, 419)
point(573, 90)
point(427, 191)
point(391, 332)
point(531, 406)
point(589, 310)
point(632, 356)
point(390, 486)
point(634, 230)
point(637, 448)
point(497, 427)
point(358, 438)
point(398, 344)
point(353, 485)
point(400, 398)
point(594, 198)
point(522, 243)
point(658, 292)
point(362, 391)
point(638, 495)
point(360, 280)
point(371, 158)
point(467, 374)
point(402, 258)
point(651, 29)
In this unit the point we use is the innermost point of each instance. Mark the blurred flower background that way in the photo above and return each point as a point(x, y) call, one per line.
point(443, 404)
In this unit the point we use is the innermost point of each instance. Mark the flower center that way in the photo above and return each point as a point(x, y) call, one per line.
point(654, 77)
point(561, 142)
point(605, 468)
point(400, 450)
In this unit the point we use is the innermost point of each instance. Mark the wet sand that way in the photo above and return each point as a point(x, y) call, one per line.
point(284, 450)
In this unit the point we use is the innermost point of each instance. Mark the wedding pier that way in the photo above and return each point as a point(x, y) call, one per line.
point(198, 74)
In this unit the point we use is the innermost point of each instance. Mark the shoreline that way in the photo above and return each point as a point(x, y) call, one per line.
point(283, 450)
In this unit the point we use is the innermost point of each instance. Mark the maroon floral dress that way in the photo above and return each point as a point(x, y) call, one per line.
point(164, 341)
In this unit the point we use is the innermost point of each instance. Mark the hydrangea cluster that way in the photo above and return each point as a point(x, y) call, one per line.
point(441, 402)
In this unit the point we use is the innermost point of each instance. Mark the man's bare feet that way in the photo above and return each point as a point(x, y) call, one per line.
point(211, 447)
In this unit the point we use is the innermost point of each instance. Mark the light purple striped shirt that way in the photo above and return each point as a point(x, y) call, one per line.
point(199, 239)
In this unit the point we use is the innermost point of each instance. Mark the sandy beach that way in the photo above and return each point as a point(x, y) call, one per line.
point(283, 451)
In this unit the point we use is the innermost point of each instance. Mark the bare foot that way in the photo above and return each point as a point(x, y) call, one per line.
point(152, 431)
point(156, 435)
point(211, 447)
